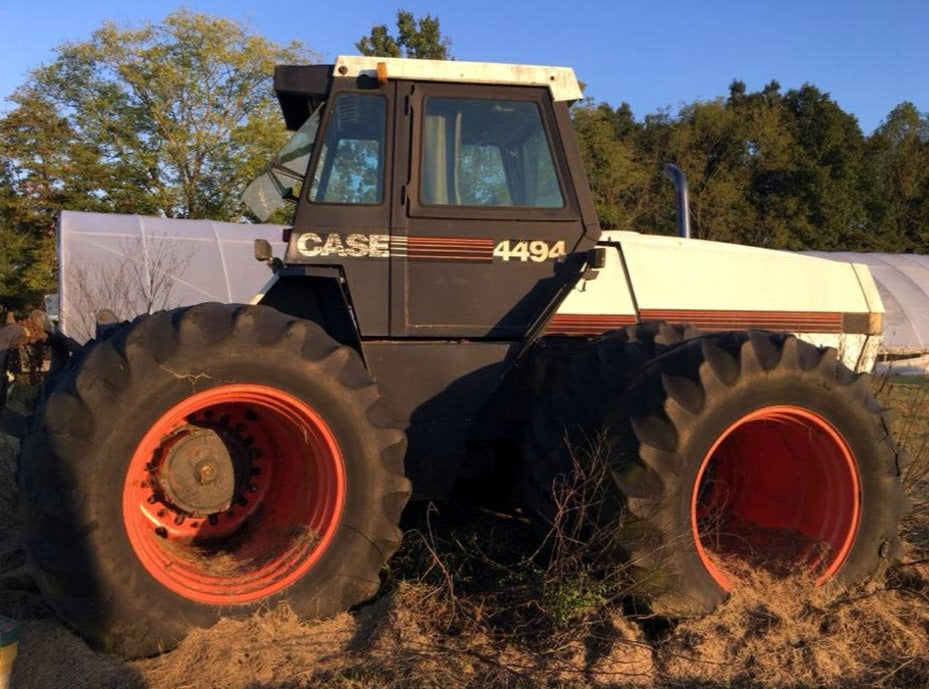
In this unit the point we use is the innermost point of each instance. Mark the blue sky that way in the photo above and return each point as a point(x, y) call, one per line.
point(869, 55)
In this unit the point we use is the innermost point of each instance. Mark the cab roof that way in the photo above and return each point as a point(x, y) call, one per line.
point(298, 86)
point(560, 80)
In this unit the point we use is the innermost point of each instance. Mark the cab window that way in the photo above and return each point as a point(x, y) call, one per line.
point(492, 153)
point(350, 167)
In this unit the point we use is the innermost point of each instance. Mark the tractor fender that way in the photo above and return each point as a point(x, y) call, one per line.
point(314, 293)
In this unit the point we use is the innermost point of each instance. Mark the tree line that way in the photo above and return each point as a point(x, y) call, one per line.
point(785, 170)
point(174, 119)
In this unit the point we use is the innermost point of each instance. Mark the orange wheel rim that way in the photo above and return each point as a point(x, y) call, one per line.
point(784, 472)
point(233, 494)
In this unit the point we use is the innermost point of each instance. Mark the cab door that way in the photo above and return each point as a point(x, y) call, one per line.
point(344, 215)
point(486, 213)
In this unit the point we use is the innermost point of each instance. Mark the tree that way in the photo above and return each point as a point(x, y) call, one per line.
point(768, 149)
point(898, 179)
point(416, 38)
point(43, 168)
point(168, 119)
point(619, 172)
point(826, 169)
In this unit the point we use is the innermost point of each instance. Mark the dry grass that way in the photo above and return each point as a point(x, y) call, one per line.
point(788, 632)
point(466, 603)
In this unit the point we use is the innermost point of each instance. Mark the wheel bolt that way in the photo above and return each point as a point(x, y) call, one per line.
point(213, 519)
point(151, 499)
point(162, 532)
point(179, 519)
point(206, 472)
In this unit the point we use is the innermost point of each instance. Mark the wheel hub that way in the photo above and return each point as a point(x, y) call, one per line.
point(233, 494)
point(204, 470)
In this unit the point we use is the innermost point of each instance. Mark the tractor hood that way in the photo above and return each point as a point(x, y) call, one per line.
point(698, 275)
point(717, 286)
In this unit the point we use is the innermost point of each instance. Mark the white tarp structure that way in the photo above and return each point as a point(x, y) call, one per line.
point(903, 283)
point(132, 264)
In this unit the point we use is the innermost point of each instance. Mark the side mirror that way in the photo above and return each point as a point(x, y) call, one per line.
point(263, 250)
point(264, 254)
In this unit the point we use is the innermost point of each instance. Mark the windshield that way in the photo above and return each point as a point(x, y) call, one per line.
point(282, 180)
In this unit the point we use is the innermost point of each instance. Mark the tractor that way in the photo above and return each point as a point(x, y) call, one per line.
point(449, 310)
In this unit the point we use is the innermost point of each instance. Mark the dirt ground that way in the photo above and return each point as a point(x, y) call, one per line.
point(458, 610)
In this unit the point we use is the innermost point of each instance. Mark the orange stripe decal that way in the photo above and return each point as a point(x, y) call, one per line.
point(442, 249)
point(586, 324)
point(711, 320)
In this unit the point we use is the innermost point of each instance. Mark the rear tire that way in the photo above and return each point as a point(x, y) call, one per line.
point(753, 445)
point(569, 414)
point(209, 461)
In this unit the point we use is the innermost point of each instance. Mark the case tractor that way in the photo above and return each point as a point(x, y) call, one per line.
point(449, 308)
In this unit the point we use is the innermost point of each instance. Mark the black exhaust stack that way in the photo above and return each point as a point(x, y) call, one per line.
point(679, 179)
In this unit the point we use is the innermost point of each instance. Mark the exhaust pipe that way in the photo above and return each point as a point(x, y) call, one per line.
point(679, 179)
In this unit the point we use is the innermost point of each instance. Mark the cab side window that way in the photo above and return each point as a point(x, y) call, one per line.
point(350, 167)
point(490, 153)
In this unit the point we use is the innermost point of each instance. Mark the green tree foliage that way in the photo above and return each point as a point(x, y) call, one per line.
point(168, 119)
point(898, 178)
point(620, 173)
point(826, 171)
point(417, 38)
point(782, 170)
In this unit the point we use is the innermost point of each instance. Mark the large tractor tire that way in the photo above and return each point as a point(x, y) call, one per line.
point(567, 419)
point(752, 448)
point(209, 461)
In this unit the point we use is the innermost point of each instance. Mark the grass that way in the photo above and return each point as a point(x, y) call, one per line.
point(468, 601)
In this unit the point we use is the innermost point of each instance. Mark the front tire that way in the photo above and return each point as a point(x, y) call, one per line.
point(209, 461)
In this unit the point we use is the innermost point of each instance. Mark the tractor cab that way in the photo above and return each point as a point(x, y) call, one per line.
point(449, 194)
